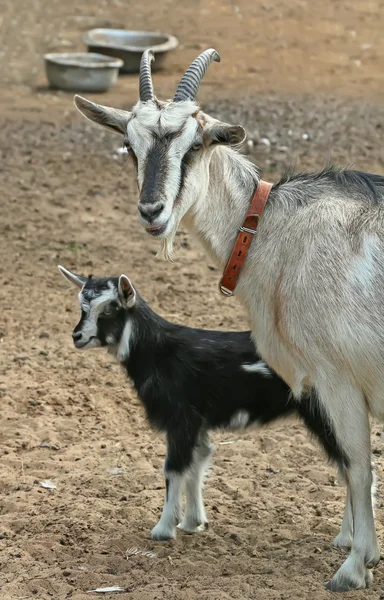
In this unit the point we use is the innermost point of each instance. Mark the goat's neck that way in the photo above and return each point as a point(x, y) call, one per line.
point(142, 341)
point(229, 182)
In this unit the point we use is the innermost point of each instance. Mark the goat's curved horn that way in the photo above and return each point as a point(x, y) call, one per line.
point(146, 87)
point(192, 77)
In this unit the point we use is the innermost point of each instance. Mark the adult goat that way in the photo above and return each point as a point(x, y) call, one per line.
point(313, 281)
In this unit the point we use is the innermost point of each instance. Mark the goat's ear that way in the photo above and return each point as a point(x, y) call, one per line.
point(217, 132)
point(78, 280)
point(111, 118)
point(127, 293)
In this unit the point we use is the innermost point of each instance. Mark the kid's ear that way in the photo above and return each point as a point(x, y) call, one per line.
point(126, 291)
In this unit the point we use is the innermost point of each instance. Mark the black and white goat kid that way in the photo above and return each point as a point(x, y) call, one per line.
point(191, 381)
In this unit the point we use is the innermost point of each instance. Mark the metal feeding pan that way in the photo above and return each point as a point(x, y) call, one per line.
point(130, 45)
point(82, 71)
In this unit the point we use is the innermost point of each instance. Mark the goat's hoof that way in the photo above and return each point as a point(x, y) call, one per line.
point(161, 534)
point(368, 578)
point(192, 527)
point(334, 586)
point(373, 563)
point(342, 542)
point(345, 584)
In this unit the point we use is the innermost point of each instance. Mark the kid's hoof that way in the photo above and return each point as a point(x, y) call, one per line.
point(159, 534)
point(191, 528)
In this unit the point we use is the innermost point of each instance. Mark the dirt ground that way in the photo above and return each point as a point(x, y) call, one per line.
point(305, 79)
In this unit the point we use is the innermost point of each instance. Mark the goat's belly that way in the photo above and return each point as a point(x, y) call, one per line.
point(306, 349)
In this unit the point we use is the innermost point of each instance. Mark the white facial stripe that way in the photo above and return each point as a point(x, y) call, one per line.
point(184, 141)
point(177, 149)
point(93, 310)
point(97, 304)
point(83, 304)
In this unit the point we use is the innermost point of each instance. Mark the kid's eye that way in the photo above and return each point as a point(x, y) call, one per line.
point(108, 310)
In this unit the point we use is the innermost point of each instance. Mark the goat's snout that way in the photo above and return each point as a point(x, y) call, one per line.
point(76, 336)
point(150, 212)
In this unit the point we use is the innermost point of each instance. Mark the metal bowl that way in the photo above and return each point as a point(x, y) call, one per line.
point(82, 71)
point(129, 46)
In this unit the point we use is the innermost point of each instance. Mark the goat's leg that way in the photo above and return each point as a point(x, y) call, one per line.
point(180, 451)
point(166, 527)
point(348, 415)
point(344, 538)
point(194, 518)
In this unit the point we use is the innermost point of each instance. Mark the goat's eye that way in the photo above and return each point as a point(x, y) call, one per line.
point(108, 311)
point(197, 146)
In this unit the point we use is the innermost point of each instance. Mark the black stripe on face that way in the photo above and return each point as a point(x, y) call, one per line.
point(184, 167)
point(155, 173)
point(186, 162)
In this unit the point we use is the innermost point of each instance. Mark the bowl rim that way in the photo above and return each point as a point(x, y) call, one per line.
point(171, 43)
point(69, 59)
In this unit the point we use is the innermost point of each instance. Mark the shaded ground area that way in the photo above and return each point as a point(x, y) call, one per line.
point(68, 197)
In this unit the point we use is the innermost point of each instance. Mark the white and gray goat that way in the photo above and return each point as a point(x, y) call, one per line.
point(190, 381)
point(313, 281)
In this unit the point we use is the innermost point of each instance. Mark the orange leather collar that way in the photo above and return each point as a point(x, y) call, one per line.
point(244, 239)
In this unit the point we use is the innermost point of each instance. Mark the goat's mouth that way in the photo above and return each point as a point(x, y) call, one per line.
point(157, 230)
point(82, 344)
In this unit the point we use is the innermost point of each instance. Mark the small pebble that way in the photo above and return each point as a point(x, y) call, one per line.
point(265, 141)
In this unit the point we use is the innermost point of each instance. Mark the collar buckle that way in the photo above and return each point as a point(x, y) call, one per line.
point(225, 291)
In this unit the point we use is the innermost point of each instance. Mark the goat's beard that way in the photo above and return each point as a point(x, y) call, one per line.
point(167, 248)
point(167, 243)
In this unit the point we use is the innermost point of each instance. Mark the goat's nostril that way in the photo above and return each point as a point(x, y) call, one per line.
point(157, 211)
point(76, 335)
point(149, 212)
